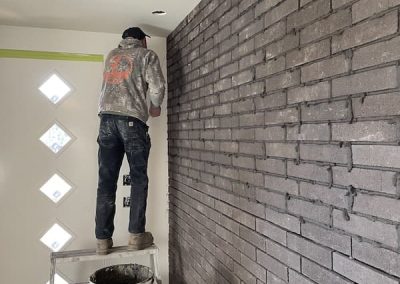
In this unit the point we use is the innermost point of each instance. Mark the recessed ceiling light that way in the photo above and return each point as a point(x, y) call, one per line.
point(159, 13)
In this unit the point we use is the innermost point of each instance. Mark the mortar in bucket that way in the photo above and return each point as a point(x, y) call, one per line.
point(123, 274)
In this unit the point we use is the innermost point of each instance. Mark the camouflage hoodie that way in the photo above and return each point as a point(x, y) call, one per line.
point(131, 73)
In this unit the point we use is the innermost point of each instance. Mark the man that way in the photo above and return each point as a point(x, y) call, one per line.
point(132, 72)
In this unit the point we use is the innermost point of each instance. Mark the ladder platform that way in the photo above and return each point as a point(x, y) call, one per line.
point(90, 254)
point(114, 253)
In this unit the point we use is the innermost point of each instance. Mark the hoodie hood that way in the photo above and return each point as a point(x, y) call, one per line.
point(130, 42)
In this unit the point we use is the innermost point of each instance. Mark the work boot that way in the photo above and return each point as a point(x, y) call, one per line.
point(140, 241)
point(104, 246)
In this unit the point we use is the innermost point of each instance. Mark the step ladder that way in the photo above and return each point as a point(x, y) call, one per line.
point(115, 253)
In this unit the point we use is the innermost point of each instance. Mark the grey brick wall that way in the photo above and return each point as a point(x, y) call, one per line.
point(284, 134)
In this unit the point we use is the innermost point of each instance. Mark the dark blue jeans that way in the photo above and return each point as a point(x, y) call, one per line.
point(119, 135)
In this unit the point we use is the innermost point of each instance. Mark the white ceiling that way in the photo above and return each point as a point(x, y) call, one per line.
point(109, 16)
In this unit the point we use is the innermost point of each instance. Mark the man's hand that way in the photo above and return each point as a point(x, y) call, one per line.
point(154, 111)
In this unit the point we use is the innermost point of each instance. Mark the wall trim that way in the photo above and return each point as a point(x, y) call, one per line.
point(50, 55)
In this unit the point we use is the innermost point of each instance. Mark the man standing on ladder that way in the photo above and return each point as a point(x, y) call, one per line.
point(132, 72)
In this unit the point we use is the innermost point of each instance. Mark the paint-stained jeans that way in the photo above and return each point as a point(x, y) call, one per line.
point(119, 135)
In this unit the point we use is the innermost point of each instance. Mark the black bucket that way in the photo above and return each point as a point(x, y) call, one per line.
point(123, 274)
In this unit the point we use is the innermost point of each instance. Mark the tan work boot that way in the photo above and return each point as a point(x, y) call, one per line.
point(140, 241)
point(104, 246)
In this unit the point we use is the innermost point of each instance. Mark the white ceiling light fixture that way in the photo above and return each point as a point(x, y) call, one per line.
point(159, 13)
point(55, 89)
point(55, 138)
point(56, 238)
point(55, 188)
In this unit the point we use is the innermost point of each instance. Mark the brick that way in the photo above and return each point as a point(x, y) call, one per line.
point(327, 26)
point(339, 3)
point(228, 43)
point(366, 8)
point(252, 119)
point(284, 150)
point(366, 32)
point(377, 105)
point(281, 185)
point(251, 148)
point(271, 198)
point(270, 101)
point(319, 274)
point(252, 237)
point(304, 2)
point(337, 110)
point(308, 171)
point(223, 60)
point(231, 147)
point(223, 84)
point(376, 155)
point(271, 165)
point(251, 178)
point(229, 173)
point(326, 68)
point(287, 115)
point(309, 53)
point(229, 69)
point(310, 250)
point(272, 265)
point(272, 33)
point(232, 121)
point(223, 159)
point(361, 226)
point(324, 153)
point(328, 238)
point(296, 278)
point(243, 106)
point(252, 89)
point(243, 49)
point(243, 134)
point(281, 11)
point(252, 207)
point(381, 258)
point(271, 67)
point(332, 196)
point(308, 14)
point(379, 206)
point(289, 42)
point(381, 52)
point(244, 218)
point(245, 4)
point(309, 93)
point(374, 80)
point(359, 272)
point(283, 220)
point(265, 5)
point(255, 27)
point(270, 133)
point(271, 231)
point(282, 81)
point(253, 267)
point(251, 60)
point(243, 162)
point(242, 77)
point(272, 279)
point(228, 17)
point(309, 132)
point(222, 34)
point(282, 254)
point(373, 131)
point(243, 21)
point(223, 109)
point(243, 274)
point(372, 180)
point(309, 210)
point(229, 95)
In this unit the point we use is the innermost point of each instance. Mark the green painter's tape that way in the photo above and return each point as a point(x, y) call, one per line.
point(49, 55)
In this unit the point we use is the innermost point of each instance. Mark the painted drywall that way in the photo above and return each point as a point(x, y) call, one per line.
point(84, 151)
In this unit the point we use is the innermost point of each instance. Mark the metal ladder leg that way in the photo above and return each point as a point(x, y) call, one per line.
point(154, 266)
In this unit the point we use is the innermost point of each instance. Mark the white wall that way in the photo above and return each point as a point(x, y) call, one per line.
point(23, 38)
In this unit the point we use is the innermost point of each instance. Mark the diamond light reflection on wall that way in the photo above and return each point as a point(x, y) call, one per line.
point(55, 89)
point(55, 188)
point(55, 138)
point(58, 280)
point(56, 238)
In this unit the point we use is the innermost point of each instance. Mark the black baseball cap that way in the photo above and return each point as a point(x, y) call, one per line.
point(134, 32)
